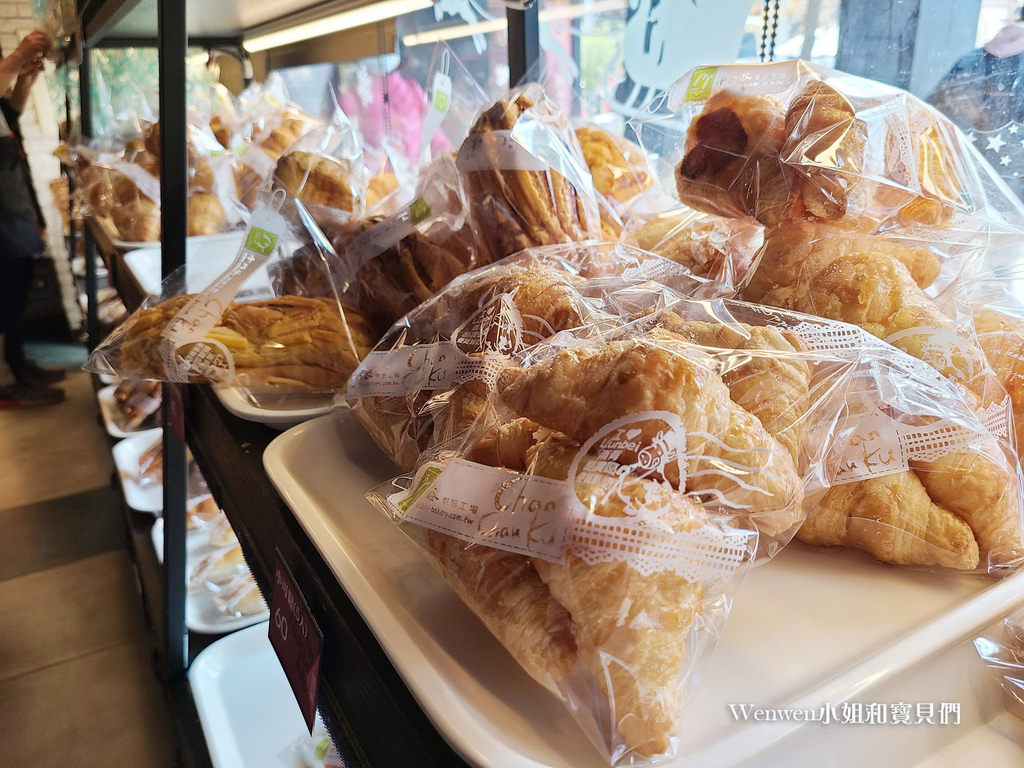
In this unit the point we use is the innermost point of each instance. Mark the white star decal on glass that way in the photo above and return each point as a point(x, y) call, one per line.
point(996, 143)
point(971, 137)
point(1004, 160)
point(1014, 128)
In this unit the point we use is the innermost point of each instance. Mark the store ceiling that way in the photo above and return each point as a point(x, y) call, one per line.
point(206, 18)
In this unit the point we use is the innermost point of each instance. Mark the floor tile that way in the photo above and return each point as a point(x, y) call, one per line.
point(102, 710)
point(55, 451)
point(60, 531)
point(61, 613)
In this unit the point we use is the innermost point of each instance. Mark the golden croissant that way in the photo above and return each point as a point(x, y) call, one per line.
point(709, 246)
point(731, 458)
point(517, 209)
point(774, 387)
point(285, 342)
point(894, 519)
point(631, 628)
point(504, 590)
point(825, 151)
point(1002, 339)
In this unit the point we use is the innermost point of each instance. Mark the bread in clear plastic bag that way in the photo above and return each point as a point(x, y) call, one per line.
point(714, 247)
point(620, 172)
point(792, 140)
point(388, 265)
point(527, 181)
point(135, 402)
point(283, 345)
point(492, 311)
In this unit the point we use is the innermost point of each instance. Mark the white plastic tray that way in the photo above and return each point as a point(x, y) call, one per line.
point(148, 498)
point(807, 629)
point(107, 409)
point(205, 257)
point(292, 411)
point(201, 614)
point(246, 707)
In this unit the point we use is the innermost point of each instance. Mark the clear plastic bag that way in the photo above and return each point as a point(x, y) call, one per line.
point(719, 249)
point(135, 402)
point(792, 140)
point(526, 178)
point(428, 376)
point(278, 347)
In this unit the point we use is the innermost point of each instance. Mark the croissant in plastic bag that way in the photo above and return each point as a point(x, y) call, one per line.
point(719, 249)
point(591, 580)
point(792, 140)
point(427, 379)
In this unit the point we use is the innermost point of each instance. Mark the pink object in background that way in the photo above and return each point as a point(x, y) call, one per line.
point(408, 105)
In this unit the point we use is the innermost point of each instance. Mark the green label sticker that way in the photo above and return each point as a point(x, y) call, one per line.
point(321, 749)
point(429, 476)
point(441, 101)
point(418, 210)
point(261, 241)
point(700, 84)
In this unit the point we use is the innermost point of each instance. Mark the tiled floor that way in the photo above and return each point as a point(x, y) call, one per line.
point(77, 681)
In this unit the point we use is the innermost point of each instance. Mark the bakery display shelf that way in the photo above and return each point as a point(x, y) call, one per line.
point(362, 698)
point(874, 634)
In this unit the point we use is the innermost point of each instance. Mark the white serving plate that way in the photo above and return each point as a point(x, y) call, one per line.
point(291, 411)
point(245, 705)
point(201, 614)
point(807, 629)
point(148, 498)
point(205, 259)
point(107, 379)
point(107, 410)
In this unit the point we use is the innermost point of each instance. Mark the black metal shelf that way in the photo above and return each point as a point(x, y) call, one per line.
point(373, 718)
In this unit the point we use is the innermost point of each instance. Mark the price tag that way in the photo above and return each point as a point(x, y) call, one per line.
point(296, 639)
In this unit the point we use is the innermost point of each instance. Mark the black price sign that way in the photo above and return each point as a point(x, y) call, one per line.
point(296, 639)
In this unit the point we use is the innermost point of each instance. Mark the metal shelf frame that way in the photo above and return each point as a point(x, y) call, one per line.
point(369, 711)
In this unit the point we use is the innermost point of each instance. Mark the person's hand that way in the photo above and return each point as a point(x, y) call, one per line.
point(31, 69)
point(34, 46)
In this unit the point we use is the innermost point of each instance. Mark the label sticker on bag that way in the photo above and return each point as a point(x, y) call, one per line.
point(147, 183)
point(620, 503)
point(494, 507)
point(440, 102)
point(496, 150)
point(210, 358)
point(385, 234)
point(427, 367)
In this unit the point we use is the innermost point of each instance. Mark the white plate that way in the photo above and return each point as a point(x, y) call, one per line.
point(148, 498)
point(206, 258)
point(201, 614)
point(108, 408)
point(807, 629)
point(292, 410)
point(246, 707)
point(107, 379)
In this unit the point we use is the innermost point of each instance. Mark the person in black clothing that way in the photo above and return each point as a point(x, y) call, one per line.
point(984, 90)
point(21, 229)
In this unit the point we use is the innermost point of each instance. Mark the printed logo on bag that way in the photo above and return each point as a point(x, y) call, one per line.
point(649, 447)
point(419, 210)
point(944, 350)
point(261, 241)
point(495, 327)
point(699, 88)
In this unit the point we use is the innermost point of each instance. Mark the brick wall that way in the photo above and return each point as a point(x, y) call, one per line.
point(39, 125)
